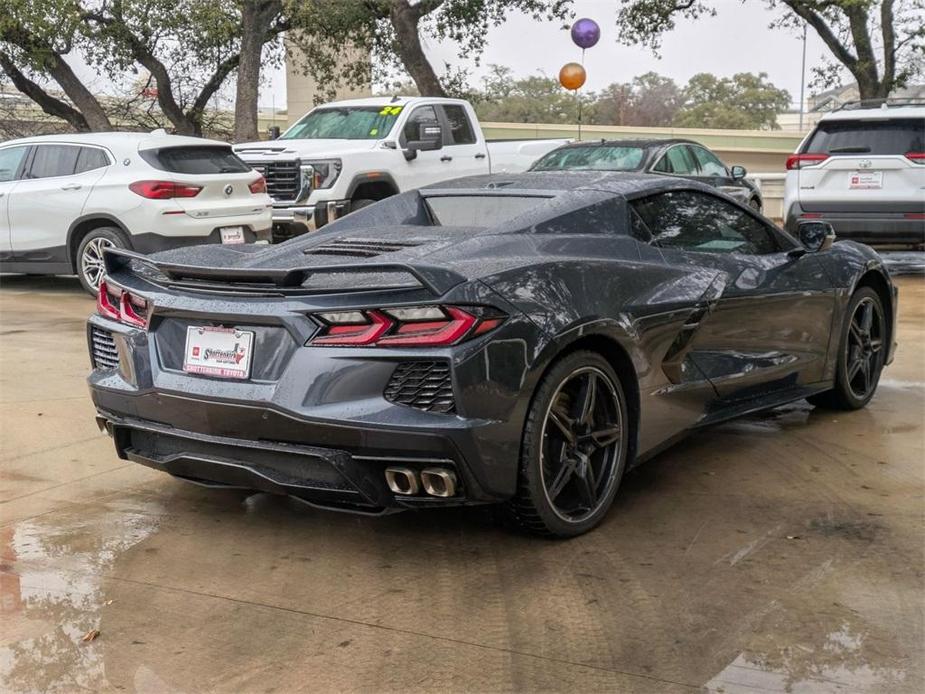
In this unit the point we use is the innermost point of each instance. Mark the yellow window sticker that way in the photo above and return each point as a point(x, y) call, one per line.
point(374, 131)
point(390, 111)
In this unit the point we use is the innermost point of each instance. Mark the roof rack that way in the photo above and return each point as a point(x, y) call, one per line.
point(890, 102)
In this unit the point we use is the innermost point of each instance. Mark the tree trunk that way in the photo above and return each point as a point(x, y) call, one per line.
point(256, 16)
point(80, 96)
point(405, 18)
point(49, 104)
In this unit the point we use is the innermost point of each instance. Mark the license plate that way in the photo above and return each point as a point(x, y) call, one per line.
point(232, 234)
point(222, 352)
point(865, 180)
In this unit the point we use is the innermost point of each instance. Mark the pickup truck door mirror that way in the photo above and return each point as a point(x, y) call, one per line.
point(429, 138)
point(273, 132)
point(738, 172)
point(816, 236)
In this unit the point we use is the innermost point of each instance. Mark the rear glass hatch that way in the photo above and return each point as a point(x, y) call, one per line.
point(864, 165)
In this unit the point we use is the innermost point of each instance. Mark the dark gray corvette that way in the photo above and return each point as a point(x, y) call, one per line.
point(511, 338)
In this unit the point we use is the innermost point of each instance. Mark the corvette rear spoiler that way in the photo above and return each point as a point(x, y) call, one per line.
point(434, 279)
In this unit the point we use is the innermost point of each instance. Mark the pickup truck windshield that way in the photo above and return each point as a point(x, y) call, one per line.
point(598, 158)
point(479, 210)
point(345, 123)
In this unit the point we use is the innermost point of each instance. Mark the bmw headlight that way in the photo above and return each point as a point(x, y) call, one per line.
point(321, 173)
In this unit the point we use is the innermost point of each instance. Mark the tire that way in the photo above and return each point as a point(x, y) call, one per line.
point(558, 498)
point(89, 255)
point(855, 383)
point(755, 204)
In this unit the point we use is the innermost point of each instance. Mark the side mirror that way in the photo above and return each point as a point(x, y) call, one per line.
point(429, 138)
point(816, 236)
point(273, 132)
point(738, 172)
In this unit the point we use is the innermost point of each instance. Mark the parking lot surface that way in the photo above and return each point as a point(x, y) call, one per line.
point(780, 552)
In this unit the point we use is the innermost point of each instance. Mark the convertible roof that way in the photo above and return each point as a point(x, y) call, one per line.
point(558, 183)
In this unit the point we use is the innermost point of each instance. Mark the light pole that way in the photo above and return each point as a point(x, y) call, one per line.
point(803, 78)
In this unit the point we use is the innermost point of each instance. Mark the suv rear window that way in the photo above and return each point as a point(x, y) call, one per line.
point(195, 160)
point(893, 136)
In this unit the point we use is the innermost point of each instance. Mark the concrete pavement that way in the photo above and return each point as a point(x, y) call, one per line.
point(781, 552)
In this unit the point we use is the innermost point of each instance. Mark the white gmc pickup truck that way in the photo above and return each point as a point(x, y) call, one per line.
point(345, 155)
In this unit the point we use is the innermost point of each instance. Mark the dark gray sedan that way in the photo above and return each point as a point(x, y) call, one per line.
point(675, 157)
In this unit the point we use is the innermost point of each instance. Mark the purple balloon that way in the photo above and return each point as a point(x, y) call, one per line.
point(585, 33)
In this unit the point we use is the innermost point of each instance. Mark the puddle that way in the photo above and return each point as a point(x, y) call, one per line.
point(838, 665)
point(51, 594)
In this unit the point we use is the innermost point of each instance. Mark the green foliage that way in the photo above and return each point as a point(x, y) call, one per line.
point(744, 101)
point(338, 37)
point(881, 43)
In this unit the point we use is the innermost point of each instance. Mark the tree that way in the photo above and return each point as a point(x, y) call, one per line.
point(394, 30)
point(649, 100)
point(534, 99)
point(743, 101)
point(188, 49)
point(881, 43)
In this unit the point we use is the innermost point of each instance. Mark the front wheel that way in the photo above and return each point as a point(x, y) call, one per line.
point(90, 268)
point(574, 448)
point(861, 354)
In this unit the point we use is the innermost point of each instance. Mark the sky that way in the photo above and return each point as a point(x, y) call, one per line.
point(736, 40)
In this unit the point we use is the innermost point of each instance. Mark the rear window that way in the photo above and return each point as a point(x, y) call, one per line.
point(894, 136)
point(477, 210)
point(195, 160)
point(603, 158)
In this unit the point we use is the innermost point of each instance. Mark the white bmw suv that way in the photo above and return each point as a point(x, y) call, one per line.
point(64, 199)
point(862, 170)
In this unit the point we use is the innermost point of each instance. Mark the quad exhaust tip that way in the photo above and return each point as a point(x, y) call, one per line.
point(439, 482)
point(402, 480)
point(436, 481)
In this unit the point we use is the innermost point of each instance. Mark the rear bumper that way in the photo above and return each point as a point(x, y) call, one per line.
point(299, 219)
point(307, 419)
point(866, 227)
point(152, 243)
point(323, 477)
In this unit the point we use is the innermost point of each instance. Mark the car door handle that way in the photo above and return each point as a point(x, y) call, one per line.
point(446, 157)
point(72, 186)
point(480, 155)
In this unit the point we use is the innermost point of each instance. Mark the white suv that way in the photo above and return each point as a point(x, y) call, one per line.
point(862, 170)
point(64, 199)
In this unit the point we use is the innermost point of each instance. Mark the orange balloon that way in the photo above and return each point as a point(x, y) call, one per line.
point(572, 76)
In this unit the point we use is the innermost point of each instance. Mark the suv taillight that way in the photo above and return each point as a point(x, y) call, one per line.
point(798, 161)
point(416, 326)
point(916, 157)
point(258, 186)
point(163, 190)
point(117, 304)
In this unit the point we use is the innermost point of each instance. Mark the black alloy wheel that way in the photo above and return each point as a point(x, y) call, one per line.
point(861, 355)
point(575, 448)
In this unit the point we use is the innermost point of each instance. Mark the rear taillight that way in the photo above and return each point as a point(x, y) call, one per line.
point(117, 304)
point(259, 186)
point(163, 190)
point(416, 326)
point(916, 157)
point(799, 161)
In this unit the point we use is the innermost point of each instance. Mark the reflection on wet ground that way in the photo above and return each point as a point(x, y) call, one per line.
point(780, 552)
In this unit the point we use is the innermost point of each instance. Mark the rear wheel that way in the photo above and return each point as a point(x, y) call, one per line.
point(90, 268)
point(574, 448)
point(861, 354)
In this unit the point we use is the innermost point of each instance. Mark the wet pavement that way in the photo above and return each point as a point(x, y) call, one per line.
point(782, 552)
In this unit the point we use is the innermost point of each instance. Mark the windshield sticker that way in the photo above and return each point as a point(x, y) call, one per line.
point(374, 131)
point(390, 111)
